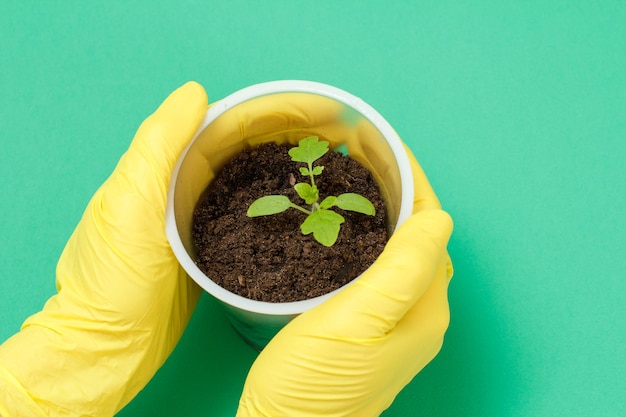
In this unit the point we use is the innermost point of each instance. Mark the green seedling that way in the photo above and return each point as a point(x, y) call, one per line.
point(323, 222)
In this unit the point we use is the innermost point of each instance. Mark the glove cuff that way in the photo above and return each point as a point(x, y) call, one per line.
point(14, 399)
point(46, 372)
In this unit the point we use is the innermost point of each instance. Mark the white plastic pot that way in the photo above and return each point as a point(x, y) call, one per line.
point(256, 115)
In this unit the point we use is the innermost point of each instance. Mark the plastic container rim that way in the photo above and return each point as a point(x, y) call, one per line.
point(251, 92)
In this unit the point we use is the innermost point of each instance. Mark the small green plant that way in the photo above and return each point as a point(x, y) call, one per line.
point(323, 222)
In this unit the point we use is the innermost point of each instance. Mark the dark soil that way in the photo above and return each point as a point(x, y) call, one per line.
point(267, 258)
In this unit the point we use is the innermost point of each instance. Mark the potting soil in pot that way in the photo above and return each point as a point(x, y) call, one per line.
point(268, 258)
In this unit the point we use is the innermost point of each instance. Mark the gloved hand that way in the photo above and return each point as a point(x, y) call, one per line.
point(351, 355)
point(123, 301)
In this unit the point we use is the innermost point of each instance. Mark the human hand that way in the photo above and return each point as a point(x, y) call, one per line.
point(351, 355)
point(123, 301)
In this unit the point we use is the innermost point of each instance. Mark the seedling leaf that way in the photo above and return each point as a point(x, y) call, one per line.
point(328, 202)
point(271, 204)
point(308, 150)
point(304, 171)
point(307, 192)
point(317, 170)
point(355, 202)
point(324, 224)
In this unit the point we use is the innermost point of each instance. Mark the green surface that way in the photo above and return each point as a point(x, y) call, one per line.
point(516, 110)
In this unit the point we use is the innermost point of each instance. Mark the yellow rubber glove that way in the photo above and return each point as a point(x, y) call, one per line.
point(123, 301)
point(351, 355)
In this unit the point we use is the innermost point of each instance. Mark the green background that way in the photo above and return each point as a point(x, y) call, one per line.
point(515, 109)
